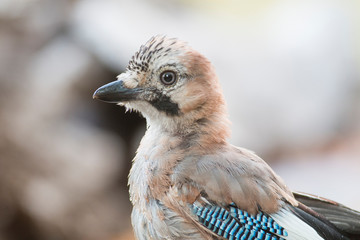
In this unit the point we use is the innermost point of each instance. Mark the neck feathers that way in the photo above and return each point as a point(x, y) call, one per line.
point(203, 114)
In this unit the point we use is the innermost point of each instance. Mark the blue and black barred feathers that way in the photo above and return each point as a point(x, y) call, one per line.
point(235, 224)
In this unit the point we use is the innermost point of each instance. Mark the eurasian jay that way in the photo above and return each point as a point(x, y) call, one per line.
point(187, 181)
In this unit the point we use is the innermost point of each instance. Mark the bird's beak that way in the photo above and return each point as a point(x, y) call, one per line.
point(116, 92)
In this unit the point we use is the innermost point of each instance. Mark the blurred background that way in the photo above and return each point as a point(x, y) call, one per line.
point(290, 71)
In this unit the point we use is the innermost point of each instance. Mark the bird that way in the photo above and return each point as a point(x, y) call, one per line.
point(187, 181)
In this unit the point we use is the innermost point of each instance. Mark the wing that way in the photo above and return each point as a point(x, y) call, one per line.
point(233, 223)
point(230, 222)
point(345, 219)
point(236, 175)
point(238, 196)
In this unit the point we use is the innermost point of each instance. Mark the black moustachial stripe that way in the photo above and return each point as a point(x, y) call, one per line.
point(163, 103)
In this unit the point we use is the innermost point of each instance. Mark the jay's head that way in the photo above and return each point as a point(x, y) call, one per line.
point(168, 82)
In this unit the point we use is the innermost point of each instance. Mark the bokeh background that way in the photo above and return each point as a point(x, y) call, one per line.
point(290, 71)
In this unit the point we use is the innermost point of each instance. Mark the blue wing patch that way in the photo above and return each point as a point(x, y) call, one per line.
point(235, 224)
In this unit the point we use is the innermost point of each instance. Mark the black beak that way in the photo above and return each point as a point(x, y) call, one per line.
point(115, 92)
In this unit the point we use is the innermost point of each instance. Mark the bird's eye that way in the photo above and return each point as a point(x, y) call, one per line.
point(168, 77)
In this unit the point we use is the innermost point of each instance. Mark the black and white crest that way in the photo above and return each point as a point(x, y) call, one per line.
point(157, 47)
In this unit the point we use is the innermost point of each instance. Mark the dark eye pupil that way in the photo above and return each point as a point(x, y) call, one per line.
point(168, 77)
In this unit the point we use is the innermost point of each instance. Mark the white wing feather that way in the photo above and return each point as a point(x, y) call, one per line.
point(295, 227)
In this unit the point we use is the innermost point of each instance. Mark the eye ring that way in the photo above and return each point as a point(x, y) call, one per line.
point(168, 77)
